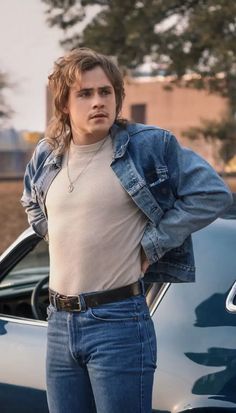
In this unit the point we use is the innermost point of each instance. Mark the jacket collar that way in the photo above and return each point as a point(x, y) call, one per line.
point(120, 138)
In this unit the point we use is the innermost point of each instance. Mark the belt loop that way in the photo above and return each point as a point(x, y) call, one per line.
point(142, 286)
point(83, 306)
point(54, 296)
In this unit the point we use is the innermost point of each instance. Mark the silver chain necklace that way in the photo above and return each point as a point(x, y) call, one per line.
point(71, 185)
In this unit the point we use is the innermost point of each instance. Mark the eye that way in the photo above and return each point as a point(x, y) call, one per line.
point(84, 93)
point(105, 92)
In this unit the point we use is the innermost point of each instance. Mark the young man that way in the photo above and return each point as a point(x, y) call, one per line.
point(116, 200)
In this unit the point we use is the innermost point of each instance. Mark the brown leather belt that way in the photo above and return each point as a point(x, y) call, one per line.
point(83, 301)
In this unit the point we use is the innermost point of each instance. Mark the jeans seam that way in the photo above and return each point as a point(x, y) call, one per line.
point(146, 321)
point(141, 360)
point(71, 335)
point(142, 395)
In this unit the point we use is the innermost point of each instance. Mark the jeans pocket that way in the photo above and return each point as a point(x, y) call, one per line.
point(115, 312)
point(151, 337)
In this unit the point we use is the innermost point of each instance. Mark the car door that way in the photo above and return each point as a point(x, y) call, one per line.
point(22, 338)
point(195, 333)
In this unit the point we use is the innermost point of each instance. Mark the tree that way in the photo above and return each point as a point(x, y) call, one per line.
point(187, 36)
point(5, 111)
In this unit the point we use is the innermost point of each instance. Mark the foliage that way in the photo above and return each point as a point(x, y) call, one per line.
point(189, 35)
point(222, 130)
point(5, 111)
point(185, 36)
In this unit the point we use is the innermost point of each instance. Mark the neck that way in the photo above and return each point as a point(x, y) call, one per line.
point(87, 139)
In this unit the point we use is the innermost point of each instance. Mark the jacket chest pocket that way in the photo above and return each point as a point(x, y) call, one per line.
point(158, 183)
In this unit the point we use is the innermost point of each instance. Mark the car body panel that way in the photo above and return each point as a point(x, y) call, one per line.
point(22, 361)
point(196, 335)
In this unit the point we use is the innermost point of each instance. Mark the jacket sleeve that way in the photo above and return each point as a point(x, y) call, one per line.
point(35, 215)
point(201, 196)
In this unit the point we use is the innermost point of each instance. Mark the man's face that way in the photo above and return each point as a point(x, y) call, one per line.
point(91, 106)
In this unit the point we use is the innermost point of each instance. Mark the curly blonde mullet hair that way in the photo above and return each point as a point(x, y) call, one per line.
point(67, 70)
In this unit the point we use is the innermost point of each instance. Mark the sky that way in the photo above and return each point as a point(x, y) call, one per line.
point(28, 48)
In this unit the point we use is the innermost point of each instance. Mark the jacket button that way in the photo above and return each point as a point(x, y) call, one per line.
point(41, 193)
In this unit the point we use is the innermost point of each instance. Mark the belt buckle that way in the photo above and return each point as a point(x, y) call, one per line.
point(79, 304)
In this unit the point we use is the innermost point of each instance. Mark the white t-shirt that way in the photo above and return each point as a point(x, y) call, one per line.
point(95, 230)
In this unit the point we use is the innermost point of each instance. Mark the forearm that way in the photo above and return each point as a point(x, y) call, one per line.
point(200, 197)
point(181, 221)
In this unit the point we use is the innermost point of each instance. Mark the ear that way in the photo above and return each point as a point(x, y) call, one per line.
point(66, 110)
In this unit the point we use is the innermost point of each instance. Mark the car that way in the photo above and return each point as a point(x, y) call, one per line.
point(195, 325)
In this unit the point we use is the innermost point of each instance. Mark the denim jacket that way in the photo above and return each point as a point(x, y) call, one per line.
point(176, 189)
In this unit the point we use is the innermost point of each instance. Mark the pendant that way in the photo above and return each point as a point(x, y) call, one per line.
point(70, 188)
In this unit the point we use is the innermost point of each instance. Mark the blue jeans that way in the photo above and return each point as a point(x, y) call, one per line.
point(101, 360)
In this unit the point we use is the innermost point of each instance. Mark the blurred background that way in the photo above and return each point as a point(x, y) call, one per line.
point(179, 63)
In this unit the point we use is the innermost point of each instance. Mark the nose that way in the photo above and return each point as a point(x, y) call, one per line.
point(98, 101)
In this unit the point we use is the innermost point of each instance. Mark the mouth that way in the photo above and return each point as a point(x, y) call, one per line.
point(98, 116)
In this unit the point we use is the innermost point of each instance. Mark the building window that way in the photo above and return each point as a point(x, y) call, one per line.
point(138, 113)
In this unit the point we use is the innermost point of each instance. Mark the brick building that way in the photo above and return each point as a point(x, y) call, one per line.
point(150, 100)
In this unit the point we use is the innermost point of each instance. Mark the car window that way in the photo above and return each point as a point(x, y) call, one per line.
point(33, 267)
